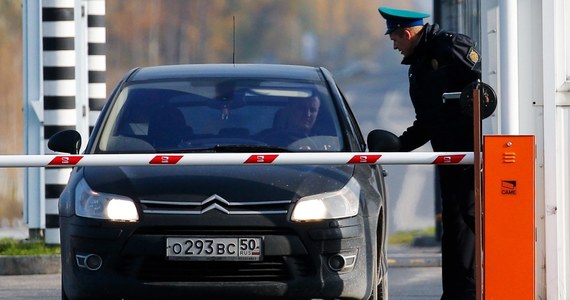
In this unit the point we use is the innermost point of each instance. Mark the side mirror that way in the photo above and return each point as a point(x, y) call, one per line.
point(383, 141)
point(67, 141)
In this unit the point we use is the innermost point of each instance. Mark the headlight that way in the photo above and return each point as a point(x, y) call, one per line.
point(91, 204)
point(334, 205)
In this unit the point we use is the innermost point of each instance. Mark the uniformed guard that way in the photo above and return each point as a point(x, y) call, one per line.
point(441, 62)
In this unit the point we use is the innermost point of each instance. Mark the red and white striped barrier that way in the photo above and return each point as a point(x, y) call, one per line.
point(201, 159)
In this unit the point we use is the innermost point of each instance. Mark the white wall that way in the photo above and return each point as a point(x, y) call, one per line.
point(556, 91)
point(543, 50)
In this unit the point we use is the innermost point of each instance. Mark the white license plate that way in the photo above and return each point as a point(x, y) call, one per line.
point(214, 248)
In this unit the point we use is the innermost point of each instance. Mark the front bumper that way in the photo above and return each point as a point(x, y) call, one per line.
point(299, 261)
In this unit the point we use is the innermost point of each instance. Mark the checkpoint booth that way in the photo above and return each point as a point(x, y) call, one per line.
point(523, 242)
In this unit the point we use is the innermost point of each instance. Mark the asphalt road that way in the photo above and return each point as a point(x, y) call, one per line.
point(413, 283)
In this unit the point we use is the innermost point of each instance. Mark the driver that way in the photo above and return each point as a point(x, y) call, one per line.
point(294, 122)
point(301, 115)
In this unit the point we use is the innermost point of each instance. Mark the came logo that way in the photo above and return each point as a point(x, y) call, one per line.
point(509, 187)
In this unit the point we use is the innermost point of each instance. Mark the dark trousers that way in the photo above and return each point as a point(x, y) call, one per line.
point(458, 240)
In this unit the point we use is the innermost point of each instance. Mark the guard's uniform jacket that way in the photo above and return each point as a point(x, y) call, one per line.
point(446, 62)
point(441, 62)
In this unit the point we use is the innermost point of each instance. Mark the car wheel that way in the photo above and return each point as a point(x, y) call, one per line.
point(63, 294)
point(374, 295)
point(380, 284)
point(383, 288)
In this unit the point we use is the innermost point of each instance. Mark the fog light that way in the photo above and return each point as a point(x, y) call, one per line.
point(336, 262)
point(91, 262)
point(342, 262)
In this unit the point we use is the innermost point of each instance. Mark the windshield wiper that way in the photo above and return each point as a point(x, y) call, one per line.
point(228, 149)
point(249, 148)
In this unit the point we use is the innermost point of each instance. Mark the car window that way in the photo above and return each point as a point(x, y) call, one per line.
point(202, 114)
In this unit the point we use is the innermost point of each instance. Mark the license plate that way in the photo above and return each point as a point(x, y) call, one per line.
point(214, 248)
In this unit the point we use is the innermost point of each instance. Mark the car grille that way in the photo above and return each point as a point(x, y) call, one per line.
point(271, 268)
point(148, 264)
point(216, 202)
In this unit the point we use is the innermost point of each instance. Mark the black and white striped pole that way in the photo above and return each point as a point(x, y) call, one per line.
point(90, 39)
point(59, 100)
point(64, 88)
point(97, 65)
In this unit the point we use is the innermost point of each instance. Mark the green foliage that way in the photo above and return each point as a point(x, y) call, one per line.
point(10, 246)
point(407, 237)
point(202, 31)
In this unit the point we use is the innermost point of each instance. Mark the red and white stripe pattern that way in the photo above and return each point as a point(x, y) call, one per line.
point(204, 159)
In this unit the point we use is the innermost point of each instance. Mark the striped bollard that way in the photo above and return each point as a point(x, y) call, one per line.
point(59, 84)
point(97, 65)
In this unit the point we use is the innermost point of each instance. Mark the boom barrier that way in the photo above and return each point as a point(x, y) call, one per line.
point(201, 159)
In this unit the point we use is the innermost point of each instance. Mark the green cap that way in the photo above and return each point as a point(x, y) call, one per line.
point(400, 18)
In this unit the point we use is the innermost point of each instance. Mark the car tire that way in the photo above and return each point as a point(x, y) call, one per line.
point(63, 294)
point(383, 288)
point(380, 283)
point(375, 271)
point(379, 286)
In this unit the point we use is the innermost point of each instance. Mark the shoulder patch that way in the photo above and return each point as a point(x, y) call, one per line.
point(434, 64)
point(473, 56)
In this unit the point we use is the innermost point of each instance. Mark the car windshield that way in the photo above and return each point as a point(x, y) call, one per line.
point(221, 115)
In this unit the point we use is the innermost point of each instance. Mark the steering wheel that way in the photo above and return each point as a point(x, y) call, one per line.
point(213, 141)
point(291, 139)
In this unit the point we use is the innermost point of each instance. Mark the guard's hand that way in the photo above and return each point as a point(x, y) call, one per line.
point(380, 140)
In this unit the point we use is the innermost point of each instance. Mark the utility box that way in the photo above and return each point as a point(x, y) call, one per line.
point(509, 234)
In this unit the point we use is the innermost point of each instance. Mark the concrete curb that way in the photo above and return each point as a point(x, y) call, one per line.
point(28, 265)
point(424, 254)
point(413, 260)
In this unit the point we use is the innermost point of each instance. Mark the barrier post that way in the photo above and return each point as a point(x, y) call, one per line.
point(477, 190)
point(509, 228)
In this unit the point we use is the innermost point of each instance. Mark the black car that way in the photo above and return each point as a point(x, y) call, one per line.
point(224, 231)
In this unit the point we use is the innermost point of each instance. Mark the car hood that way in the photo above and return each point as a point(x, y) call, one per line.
point(234, 183)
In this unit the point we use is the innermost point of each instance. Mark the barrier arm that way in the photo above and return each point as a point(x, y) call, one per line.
point(202, 159)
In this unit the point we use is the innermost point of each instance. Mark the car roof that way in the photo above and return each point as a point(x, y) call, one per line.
point(228, 70)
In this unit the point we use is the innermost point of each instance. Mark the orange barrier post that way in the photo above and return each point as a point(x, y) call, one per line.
point(508, 226)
